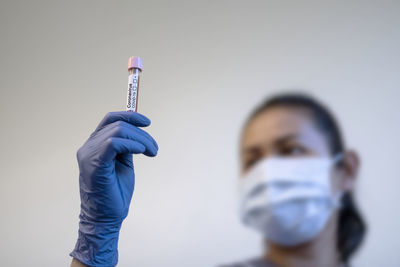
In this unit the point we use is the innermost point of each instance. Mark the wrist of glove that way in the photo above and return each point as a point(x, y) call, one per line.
point(97, 243)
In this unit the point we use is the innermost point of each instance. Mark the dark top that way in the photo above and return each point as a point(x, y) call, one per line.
point(257, 262)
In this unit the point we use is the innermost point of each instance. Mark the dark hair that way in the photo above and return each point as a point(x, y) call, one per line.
point(351, 226)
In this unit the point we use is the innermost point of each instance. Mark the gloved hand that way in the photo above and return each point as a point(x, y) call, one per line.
point(106, 181)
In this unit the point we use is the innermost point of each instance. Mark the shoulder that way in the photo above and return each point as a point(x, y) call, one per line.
point(256, 262)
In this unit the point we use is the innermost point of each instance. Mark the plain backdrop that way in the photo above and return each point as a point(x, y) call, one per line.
point(63, 66)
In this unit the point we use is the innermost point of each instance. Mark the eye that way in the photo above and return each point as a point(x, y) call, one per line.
point(292, 150)
point(250, 162)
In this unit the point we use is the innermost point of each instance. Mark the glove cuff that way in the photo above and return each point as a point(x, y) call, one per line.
point(97, 243)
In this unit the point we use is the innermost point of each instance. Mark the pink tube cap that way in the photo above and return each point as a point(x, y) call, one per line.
point(135, 62)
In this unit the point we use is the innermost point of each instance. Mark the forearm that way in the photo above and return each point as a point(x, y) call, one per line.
point(76, 263)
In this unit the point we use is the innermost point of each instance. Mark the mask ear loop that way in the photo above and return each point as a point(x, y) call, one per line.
point(337, 199)
point(337, 158)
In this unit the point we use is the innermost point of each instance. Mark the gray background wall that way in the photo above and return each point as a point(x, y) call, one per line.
point(206, 65)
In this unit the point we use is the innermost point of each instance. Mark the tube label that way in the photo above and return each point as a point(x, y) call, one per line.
point(133, 85)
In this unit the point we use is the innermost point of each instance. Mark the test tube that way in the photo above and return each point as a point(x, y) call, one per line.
point(135, 67)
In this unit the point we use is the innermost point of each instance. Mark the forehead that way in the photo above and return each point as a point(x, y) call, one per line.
point(277, 122)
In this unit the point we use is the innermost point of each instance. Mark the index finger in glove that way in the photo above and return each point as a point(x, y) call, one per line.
point(131, 117)
point(125, 130)
point(116, 145)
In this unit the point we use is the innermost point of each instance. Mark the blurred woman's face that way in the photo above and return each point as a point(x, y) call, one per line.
point(291, 132)
point(281, 131)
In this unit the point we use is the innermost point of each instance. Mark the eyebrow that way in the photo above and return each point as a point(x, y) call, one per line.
point(254, 148)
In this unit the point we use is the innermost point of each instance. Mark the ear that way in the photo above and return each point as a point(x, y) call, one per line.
point(349, 165)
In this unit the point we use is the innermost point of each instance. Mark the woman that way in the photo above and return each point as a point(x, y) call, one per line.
point(297, 182)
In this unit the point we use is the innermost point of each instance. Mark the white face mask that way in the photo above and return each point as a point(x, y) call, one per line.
point(289, 200)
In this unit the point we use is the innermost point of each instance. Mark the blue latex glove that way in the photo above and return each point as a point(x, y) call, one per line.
point(106, 182)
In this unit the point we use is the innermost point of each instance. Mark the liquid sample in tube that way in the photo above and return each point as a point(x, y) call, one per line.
point(135, 67)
